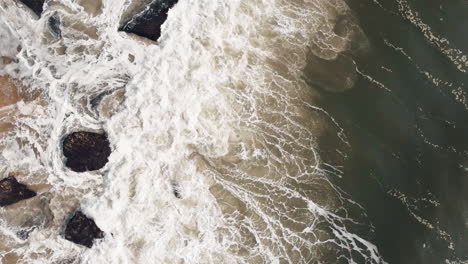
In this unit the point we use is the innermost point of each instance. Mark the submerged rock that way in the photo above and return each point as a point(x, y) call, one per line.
point(98, 99)
point(92, 7)
point(82, 230)
point(54, 25)
point(335, 75)
point(67, 261)
point(5, 60)
point(24, 218)
point(8, 91)
point(148, 22)
point(176, 190)
point(86, 151)
point(11, 191)
point(37, 6)
point(111, 103)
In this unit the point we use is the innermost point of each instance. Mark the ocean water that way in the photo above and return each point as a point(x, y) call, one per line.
point(255, 131)
point(406, 122)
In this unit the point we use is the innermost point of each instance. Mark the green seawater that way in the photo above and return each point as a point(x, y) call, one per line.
point(406, 120)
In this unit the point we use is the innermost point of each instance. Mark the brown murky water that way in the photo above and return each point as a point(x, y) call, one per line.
point(8, 98)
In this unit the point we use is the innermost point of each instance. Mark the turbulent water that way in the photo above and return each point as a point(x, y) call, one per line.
point(250, 132)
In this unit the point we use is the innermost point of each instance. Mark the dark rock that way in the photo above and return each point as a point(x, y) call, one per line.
point(82, 230)
point(24, 234)
point(54, 25)
point(35, 5)
point(11, 191)
point(148, 22)
point(176, 191)
point(86, 151)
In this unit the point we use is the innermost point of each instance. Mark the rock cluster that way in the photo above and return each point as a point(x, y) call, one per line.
point(148, 22)
point(11, 191)
point(86, 151)
point(82, 230)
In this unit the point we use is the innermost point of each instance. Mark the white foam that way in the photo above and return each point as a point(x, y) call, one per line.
point(218, 107)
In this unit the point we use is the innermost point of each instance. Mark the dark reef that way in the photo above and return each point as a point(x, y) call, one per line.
point(11, 191)
point(148, 22)
point(82, 230)
point(86, 151)
point(37, 6)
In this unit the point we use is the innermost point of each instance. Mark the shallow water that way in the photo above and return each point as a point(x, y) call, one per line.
point(234, 137)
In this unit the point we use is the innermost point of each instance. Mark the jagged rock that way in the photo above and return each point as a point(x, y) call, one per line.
point(82, 230)
point(11, 191)
point(37, 6)
point(86, 151)
point(148, 22)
